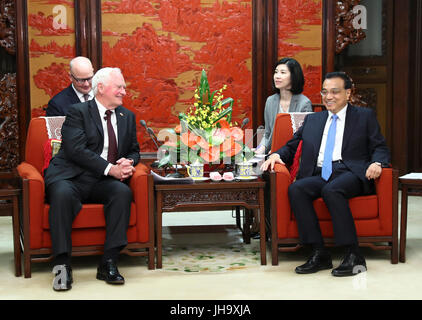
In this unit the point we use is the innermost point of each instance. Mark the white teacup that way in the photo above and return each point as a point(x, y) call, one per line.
point(244, 169)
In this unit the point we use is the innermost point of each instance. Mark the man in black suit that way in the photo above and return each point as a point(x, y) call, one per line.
point(80, 90)
point(98, 153)
point(343, 151)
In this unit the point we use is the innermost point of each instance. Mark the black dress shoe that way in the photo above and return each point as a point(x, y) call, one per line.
point(320, 260)
point(351, 265)
point(108, 272)
point(63, 277)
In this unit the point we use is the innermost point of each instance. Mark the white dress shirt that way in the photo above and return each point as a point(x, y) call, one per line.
point(102, 110)
point(341, 120)
point(81, 95)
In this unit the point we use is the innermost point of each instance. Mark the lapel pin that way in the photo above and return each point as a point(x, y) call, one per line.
point(121, 114)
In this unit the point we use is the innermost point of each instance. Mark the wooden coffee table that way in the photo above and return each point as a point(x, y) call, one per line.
point(208, 195)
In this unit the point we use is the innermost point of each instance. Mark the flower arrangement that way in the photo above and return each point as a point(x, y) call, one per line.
point(206, 133)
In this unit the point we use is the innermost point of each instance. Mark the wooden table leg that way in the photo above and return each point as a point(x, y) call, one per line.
point(262, 239)
point(238, 218)
point(16, 237)
point(403, 224)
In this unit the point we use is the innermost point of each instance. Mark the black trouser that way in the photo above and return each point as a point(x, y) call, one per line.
point(335, 192)
point(66, 198)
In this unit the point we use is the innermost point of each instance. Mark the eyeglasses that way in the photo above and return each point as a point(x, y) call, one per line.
point(333, 92)
point(81, 81)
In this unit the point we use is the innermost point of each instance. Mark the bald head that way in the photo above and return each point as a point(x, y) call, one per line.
point(81, 73)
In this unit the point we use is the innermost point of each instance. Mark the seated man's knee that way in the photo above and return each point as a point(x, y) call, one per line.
point(123, 191)
point(61, 191)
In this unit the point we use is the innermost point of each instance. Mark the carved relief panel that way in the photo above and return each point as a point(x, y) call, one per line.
point(9, 128)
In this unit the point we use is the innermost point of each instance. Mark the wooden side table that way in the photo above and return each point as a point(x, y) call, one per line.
point(408, 181)
point(11, 191)
point(201, 196)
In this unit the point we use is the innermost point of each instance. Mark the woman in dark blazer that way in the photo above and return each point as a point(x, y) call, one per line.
point(288, 82)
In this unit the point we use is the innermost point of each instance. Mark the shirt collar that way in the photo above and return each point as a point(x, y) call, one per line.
point(341, 114)
point(81, 95)
point(101, 108)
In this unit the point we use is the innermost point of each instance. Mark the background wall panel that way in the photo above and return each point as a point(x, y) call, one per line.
point(300, 37)
point(51, 38)
point(162, 46)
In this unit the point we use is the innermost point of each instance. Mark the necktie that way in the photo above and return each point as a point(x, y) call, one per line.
point(86, 96)
point(112, 143)
point(327, 165)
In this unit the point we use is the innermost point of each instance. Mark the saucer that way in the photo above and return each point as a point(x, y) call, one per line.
point(216, 180)
point(246, 177)
point(200, 178)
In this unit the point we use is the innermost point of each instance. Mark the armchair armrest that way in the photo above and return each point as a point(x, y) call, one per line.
point(139, 184)
point(33, 202)
point(141, 171)
point(28, 172)
point(142, 188)
point(280, 204)
point(386, 187)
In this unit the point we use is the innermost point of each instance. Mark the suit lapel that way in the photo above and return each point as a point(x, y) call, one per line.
point(73, 97)
point(95, 115)
point(121, 118)
point(319, 129)
point(293, 103)
point(348, 126)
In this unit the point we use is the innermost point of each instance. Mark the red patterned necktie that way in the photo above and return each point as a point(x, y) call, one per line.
point(112, 143)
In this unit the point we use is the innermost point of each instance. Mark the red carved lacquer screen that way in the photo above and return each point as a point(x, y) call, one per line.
point(300, 37)
point(162, 46)
point(51, 36)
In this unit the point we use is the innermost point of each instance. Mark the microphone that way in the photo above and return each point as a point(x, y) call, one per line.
point(150, 133)
point(153, 137)
point(143, 123)
point(261, 127)
point(244, 122)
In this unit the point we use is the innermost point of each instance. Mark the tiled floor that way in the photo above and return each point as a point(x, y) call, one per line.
point(382, 281)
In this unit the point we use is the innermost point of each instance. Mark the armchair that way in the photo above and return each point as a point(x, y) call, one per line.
point(376, 216)
point(88, 233)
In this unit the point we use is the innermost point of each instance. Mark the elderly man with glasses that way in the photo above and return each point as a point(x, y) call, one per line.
point(80, 90)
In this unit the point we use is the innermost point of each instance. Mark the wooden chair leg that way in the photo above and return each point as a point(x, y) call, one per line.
point(394, 252)
point(274, 253)
point(151, 258)
point(27, 265)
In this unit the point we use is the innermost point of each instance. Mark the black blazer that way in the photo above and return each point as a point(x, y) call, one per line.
point(83, 139)
point(61, 102)
point(363, 142)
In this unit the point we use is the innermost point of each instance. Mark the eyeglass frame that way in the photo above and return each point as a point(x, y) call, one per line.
point(333, 92)
point(81, 81)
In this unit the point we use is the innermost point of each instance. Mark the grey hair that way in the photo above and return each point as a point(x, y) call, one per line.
point(103, 76)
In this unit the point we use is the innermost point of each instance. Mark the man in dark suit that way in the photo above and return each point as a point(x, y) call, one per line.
point(343, 151)
point(80, 89)
point(98, 153)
